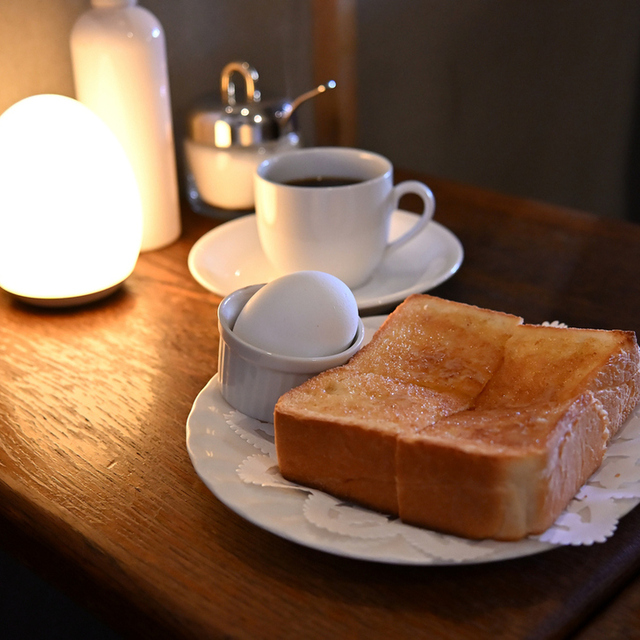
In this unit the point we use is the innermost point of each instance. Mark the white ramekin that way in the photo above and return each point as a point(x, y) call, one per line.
point(252, 380)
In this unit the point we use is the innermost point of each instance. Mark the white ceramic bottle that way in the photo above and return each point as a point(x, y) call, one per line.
point(119, 61)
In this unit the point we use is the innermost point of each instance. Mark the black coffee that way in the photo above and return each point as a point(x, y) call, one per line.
point(323, 181)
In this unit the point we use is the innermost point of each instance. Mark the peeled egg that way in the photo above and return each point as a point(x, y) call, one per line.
point(305, 314)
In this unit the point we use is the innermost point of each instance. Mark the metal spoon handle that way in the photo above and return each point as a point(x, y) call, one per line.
point(304, 97)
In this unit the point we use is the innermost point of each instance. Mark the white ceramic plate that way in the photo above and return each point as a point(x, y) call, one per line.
point(217, 452)
point(220, 453)
point(230, 257)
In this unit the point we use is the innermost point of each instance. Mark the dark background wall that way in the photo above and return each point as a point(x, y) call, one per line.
point(532, 98)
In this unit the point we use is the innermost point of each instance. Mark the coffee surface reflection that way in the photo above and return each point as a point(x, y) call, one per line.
point(323, 181)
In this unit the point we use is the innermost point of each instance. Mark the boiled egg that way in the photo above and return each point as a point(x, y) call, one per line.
point(306, 314)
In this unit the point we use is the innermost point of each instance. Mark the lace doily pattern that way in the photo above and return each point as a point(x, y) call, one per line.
point(591, 517)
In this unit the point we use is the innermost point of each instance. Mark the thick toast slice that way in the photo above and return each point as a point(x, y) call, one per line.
point(553, 364)
point(536, 433)
point(429, 359)
point(438, 344)
point(490, 441)
point(499, 473)
point(338, 432)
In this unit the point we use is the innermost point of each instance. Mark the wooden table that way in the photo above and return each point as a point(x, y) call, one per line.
point(98, 493)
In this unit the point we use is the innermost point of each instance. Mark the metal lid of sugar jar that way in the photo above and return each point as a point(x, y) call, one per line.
point(231, 124)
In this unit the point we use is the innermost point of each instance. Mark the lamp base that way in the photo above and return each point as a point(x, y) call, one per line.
point(69, 302)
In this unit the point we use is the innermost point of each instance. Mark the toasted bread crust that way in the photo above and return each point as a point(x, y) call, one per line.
point(461, 419)
point(500, 488)
point(339, 413)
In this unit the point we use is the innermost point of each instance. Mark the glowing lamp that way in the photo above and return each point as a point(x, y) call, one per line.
point(70, 211)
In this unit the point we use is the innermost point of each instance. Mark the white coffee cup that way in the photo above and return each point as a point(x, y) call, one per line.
point(342, 230)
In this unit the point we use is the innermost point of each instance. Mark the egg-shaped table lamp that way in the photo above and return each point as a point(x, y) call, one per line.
point(70, 210)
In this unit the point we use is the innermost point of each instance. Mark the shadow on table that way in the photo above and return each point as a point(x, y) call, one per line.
point(31, 608)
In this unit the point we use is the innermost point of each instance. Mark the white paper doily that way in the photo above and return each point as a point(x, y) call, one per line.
point(235, 457)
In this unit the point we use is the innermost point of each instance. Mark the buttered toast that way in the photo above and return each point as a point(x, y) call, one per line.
point(461, 419)
point(445, 346)
point(403, 379)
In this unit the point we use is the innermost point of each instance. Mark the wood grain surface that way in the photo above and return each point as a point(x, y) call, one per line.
point(98, 494)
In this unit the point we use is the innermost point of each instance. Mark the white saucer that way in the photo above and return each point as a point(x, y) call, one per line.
point(230, 257)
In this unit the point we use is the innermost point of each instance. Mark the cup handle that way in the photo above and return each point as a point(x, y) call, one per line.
point(419, 189)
